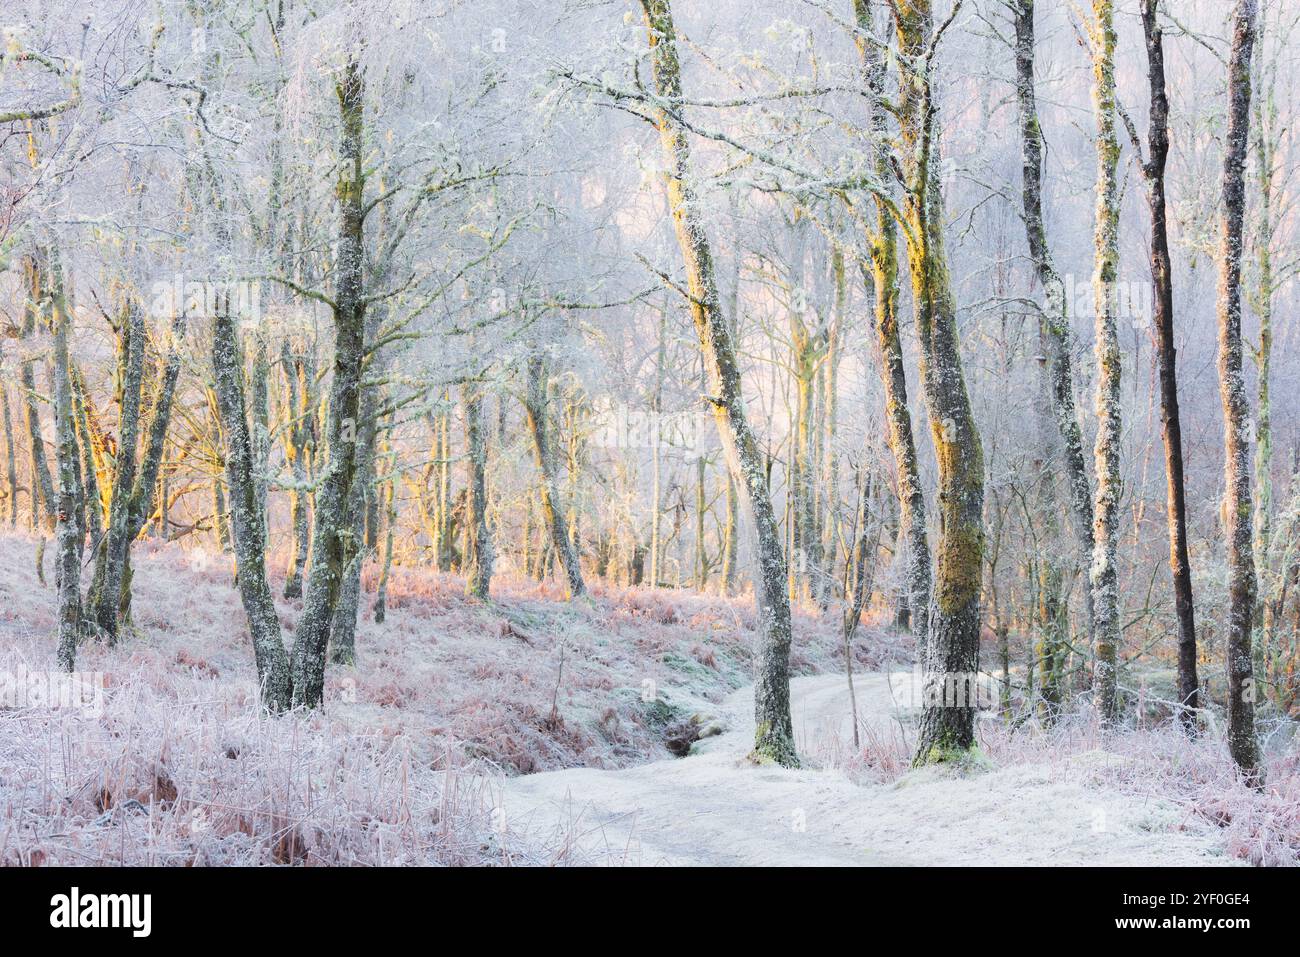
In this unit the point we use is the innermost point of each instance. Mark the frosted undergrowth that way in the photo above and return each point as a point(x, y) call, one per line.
point(177, 765)
point(1158, 762)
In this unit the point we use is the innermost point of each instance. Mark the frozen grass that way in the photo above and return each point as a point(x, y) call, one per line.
point(1261, 827)
point(180, 767)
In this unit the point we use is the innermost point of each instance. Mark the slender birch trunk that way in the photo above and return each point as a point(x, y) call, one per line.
point(42, 484)
point(11, 459)
point(297, 450)
point(1054, 321)
point(1266, 137)
point(656, 464)
point(479, 576)
point(1104, 573)
point(379, 610)
point(830, 403)
point(1166, 357)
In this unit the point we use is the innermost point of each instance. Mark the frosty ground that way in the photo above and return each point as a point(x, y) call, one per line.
point(534, 731)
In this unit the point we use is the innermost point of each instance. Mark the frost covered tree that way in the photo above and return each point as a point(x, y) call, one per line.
point(882, 272)
point(1237, 508)
point(952, 646)
point(1153, 173)
point(1105, 557)
point(1065, 452)
point(774, 735)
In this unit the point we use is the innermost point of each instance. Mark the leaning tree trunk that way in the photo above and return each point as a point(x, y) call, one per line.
point(1054, 321)
point(329, 536)
point(1232, 387)
point(479, 577)
point(1105, 574)
point(774, 734)
point(952, 652)
point(1166, 356)
point(538, 426)
point(883, 275)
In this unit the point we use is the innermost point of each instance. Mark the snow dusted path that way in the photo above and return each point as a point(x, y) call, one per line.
point(714, 808)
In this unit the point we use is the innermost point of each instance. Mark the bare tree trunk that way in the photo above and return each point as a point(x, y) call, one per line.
point(92, 508)
point(357, 545)
point(220, 513)
point(952, 651)
point(535, 409)
point(343, 629)
point(730, 536)
point(1166, 356)
point(443, 547)
point(329, 537)
point(144, 492)
point(260, 412)
point(297, 450)
point(656, 465)
point(830, 404)
point(1266, 137)
point(379, 610)
point(11, 460)
point(1232, 387)
point(1054, 322)
point(42, 484)
point(71, 532)
point(807, 348)
point(862, 560)
point(1105, 574)
point(479, 577)
point(774, 737)
point(249, 527)
point(883, 272)
point(106, 598)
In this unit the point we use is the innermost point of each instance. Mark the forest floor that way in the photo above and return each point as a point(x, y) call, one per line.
point(529, 730)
